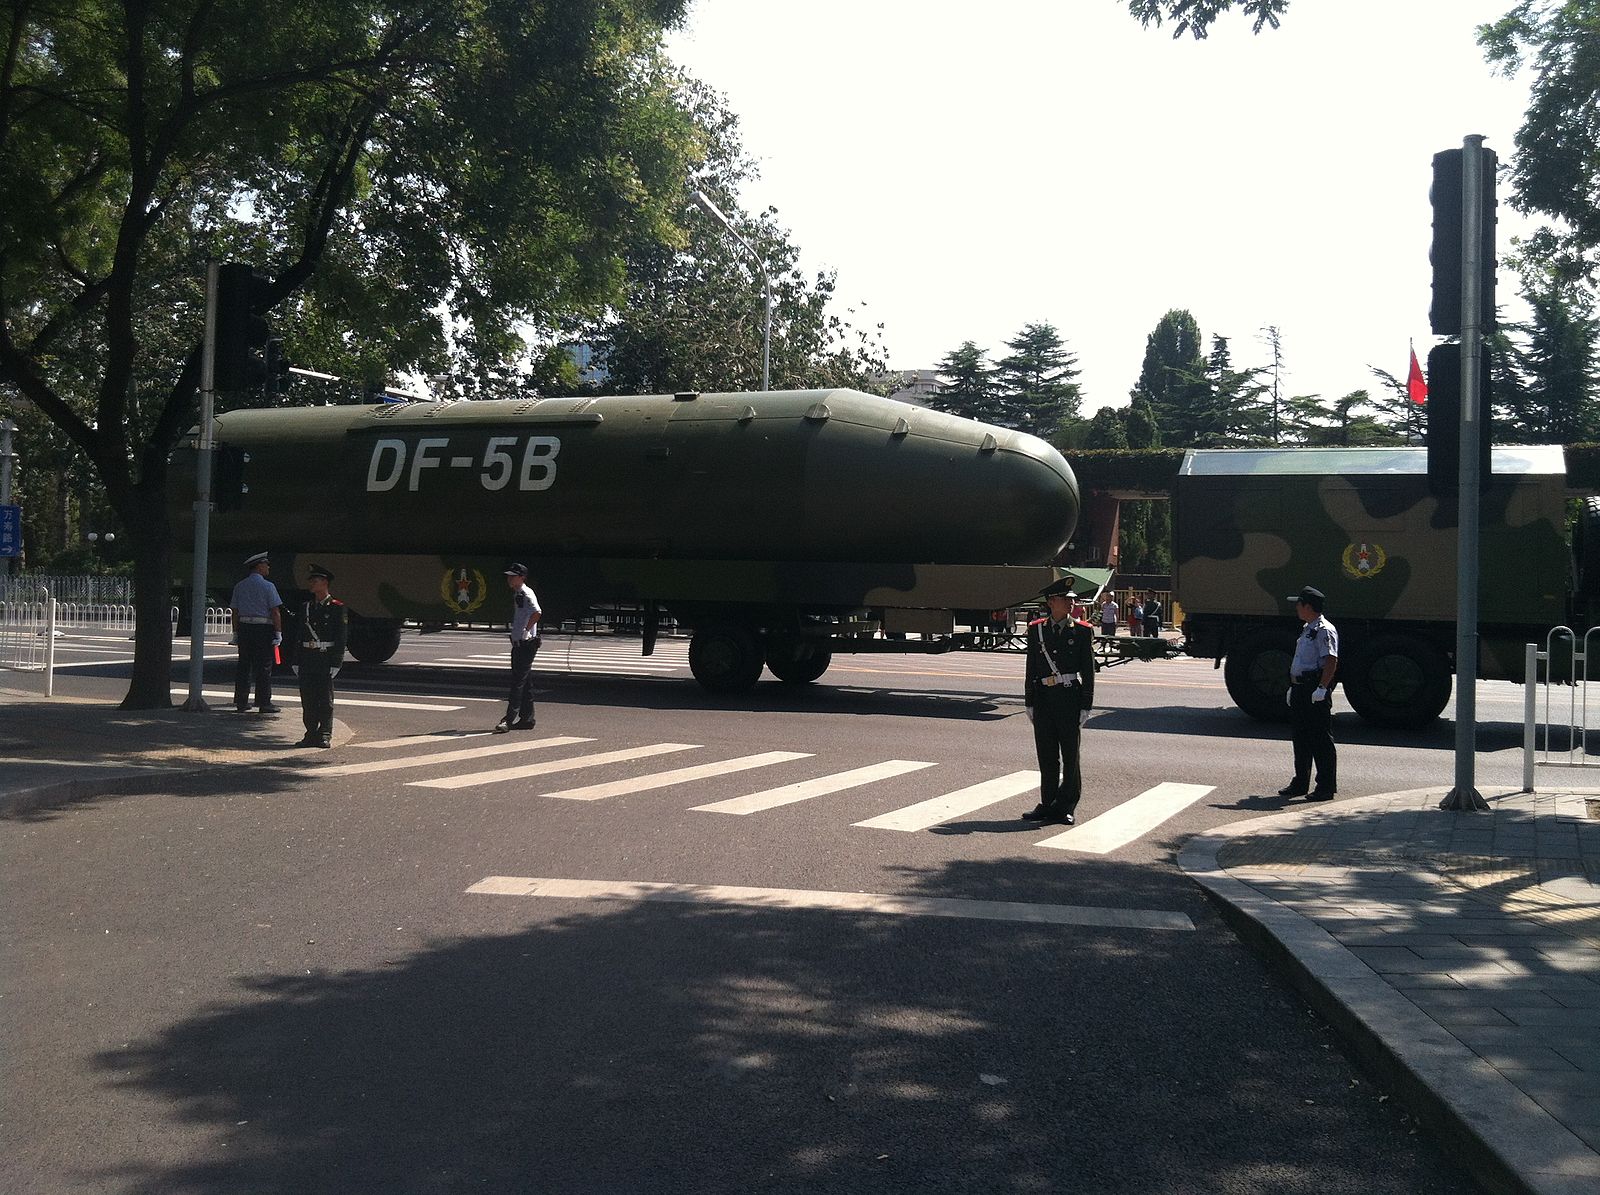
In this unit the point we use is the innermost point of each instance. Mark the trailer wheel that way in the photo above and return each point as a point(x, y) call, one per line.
point(373, 640)
point(1586, 552)
point(795, 662)
point(725, 657)
point(1398, 681)
point(1257, 674)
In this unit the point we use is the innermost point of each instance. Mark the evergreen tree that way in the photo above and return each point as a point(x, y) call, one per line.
point(1036, 382)
point(1106, 430)
point(1171, 376)
point(966, 384)
point(1143, 431)
point(1553, 366)
point(1406, 421)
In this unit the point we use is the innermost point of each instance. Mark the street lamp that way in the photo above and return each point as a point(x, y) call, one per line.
point(704, 204)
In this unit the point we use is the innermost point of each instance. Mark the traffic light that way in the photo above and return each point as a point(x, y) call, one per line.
point(1444, 316)
point(228, 485)
point(242, 332)
point(277, 368)
point(1444, 419)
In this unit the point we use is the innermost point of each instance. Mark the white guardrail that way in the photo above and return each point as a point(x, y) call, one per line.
point(1563, 663)
point(30, 625)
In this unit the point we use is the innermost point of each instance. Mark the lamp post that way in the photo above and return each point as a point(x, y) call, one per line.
point(703, 202)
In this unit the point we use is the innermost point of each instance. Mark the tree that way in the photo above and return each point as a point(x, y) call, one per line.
point(1171, 375)
point(692, 319)
point(967, 385)
point(1106, 430)
point(1406, 420)
point(425, 177)
point(1038, 390)
point(1552, 361)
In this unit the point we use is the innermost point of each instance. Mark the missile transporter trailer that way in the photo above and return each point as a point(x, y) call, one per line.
point(781, 527)
point(1361, 524)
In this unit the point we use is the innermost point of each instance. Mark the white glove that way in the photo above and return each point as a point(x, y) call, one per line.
point(277, 638)
point(1083, 717)
point(1320, 695)
point(1288, 699)
point(1028, 709)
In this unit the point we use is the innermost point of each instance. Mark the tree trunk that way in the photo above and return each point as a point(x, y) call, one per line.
point(150, 529)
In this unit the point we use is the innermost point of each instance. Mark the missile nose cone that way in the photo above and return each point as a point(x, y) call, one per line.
point(1036, 501)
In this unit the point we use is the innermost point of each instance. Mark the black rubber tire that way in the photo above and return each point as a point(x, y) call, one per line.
point(1586, 554)
point(725, 657)
point(797, 663)
point(1397, 681)
point(373, 640)
point(1257, 673)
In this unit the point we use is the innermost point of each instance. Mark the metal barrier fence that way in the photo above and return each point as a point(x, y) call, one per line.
point(28, 635)
point(85, 589)
point(1570, 742)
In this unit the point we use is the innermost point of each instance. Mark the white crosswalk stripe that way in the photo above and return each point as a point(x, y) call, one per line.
point(772, 798)
point(555, 765)
point(1130, 820)
point(280, 698)
point(419, 761)
point(617, 788)
point(926, 814)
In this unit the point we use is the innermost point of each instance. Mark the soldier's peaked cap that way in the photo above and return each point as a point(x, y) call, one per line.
point(1311, 597)
point(252, 561)
point(516, 570)
point(1061, 588)
point(317, 570)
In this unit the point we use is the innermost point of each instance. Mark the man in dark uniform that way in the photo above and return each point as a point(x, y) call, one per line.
point(324, 630)
point(1316, 661)
point(1058, 690)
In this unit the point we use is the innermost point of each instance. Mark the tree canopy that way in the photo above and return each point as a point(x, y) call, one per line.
point(424, 177)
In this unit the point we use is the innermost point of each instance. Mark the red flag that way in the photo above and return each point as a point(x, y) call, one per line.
point(1416, 387)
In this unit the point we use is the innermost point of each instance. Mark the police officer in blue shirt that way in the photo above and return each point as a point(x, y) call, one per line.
point(525, 615)
point(258, 630)
point(1316, 661)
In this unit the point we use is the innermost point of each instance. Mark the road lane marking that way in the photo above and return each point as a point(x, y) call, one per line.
point(772, 798)
point(418, 761)
point(432, 738)
point(926, 814)
point(340, 700)
point(840, 902)
point(555, 765)
point(1129, 820)
point(639, 784)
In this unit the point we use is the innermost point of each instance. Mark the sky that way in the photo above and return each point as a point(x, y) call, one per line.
point(967, 169)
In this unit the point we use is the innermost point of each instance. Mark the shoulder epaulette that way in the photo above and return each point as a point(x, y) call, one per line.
point(1037, 621)
point(1086, 626)
point(336, 601)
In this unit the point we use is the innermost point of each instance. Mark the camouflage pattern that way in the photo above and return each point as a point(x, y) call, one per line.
point(821, 500)
point(1251, 526)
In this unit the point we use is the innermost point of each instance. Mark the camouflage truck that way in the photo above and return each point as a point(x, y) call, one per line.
point(781, 527)
point(1361, 524)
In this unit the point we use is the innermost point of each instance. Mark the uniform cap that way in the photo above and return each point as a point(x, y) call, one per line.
point(317, 570)
point(1311, 597)
point(516, 570)
point(1061, 588)
point(252, 561)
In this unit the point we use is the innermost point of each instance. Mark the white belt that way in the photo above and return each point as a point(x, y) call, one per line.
point(1059, 678)
point(255, 621)
point(317, 644)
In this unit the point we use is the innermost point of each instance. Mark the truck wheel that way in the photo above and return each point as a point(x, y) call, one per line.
point(1257, 674)
point(725, 658)
point(373, 640)
point(1398, 681)
point(797, 663)
point(1586, 552)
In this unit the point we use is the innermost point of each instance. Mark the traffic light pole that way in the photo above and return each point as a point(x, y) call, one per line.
point(1465, 795)
point(202, 502)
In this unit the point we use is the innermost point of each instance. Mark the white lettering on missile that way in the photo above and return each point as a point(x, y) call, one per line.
point(540, 454)
point(461, 462)
point(396, 449)
point(497, 463)
point(422, 461)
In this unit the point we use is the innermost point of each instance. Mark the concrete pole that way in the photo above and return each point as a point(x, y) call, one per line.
point(196, 702)
point(1465, 796)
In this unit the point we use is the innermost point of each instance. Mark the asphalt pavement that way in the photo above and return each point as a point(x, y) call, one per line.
point(1456, 954)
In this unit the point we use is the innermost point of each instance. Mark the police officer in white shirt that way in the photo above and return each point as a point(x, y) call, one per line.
point(1316, 660)
point(525, 614)
point(257, 629)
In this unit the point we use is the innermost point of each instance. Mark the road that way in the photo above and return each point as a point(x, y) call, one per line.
point(796, 941)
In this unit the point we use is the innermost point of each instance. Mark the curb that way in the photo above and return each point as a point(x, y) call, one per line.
point(1500, 1135)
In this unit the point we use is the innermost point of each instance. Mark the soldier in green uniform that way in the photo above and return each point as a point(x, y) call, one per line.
point(1058, 690)
point(324, 630)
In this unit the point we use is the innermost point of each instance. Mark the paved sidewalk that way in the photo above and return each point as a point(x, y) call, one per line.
point(65, 748)
point(1458, 952)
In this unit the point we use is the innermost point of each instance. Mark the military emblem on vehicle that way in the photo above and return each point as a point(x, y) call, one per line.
point(1364, 560)
point(463, 589)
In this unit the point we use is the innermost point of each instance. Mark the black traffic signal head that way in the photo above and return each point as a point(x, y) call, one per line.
point(1444, 316)
point(1444, 419)
point(242, 332)
point(277, 369)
